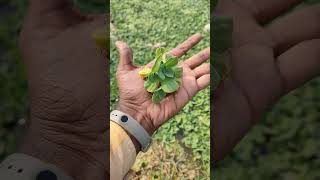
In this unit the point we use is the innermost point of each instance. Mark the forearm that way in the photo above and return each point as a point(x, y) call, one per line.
point(122, 151)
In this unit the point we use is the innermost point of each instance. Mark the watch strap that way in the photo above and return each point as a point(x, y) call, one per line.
point(24, 167)
point(133, 127)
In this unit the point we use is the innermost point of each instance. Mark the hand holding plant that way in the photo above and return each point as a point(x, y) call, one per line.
point(137, 101)
point(164, 77)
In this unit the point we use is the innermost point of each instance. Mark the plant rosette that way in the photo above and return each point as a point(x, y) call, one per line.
point(164, 77)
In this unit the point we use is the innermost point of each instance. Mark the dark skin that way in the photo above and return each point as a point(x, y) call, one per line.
point(136, 101)
point(267, 61)
point(67, 89)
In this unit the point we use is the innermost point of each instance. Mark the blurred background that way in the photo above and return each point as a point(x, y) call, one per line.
point(181, 148)
point(13, 85)
point(284, 144)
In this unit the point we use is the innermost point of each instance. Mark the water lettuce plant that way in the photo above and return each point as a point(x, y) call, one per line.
point(164, 77)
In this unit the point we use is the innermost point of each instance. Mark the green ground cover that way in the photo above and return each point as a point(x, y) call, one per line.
point(148, 24)
point(13, 98)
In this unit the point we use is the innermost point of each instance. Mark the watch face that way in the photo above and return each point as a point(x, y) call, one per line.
point(133, 127)
point(124, 118)
point(46, 175)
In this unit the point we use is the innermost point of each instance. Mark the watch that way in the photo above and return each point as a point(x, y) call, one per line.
point(25, 167)
point(133, 127)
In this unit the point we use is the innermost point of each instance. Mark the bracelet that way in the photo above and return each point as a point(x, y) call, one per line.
point(24, 167)
point(133, 127)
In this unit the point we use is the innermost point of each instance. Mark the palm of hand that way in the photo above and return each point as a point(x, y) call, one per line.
point(263, 64)
point(67, 80)
point(136, 101)
point(65, 68)
point(132, 91)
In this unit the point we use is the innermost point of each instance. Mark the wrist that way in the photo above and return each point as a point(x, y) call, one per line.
point(65, 156)
point(139, 115)
point(135, 142)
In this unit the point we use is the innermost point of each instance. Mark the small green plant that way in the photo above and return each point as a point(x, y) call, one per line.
point(164, 77)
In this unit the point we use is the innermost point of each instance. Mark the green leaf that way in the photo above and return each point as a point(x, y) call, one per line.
point(151, 86)
point(170, 85)
point(158, 95)
point(164, 75)
point(161, 74)
point(165, 56)
point(171, 62)
point(156, 66)
point(153, 77)
point(159, 52)
point(168, 72)
point(178, 71)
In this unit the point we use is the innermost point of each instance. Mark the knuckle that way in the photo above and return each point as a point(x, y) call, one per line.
point(202, 55)
point(207, 66)
point(126, 50)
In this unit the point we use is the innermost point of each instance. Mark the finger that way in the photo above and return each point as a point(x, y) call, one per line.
point(202, 70)
point(300, 64)
point(203, 81)
point(198, 59)
point(183, 47)
point(125, 55)
point(57, 12)
point(302, 24)
point(245, 27)
point(187, 45)
point(266, 10)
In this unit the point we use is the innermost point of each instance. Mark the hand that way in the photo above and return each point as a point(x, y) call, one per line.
point(67, 87)
point(136, 101)
point(267, 61)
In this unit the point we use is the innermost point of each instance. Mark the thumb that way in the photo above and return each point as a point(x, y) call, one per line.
point(125, 55)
